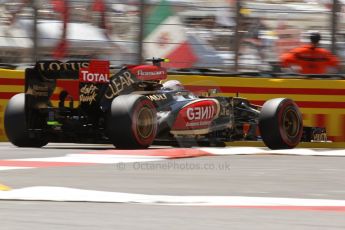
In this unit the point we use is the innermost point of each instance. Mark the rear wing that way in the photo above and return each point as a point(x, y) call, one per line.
point(67, 70)
point(56, 80)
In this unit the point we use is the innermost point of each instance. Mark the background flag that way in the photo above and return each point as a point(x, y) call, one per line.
point(165, 37)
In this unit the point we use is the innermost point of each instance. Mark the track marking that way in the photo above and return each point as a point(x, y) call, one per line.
point(101, 157)
point(42, 193)
point(93, 159)
point(261, 150)
point(114, 156)
point(72, 160)
point(163, 152)
point(4, 188)
point(6, 168)
point(38, 164)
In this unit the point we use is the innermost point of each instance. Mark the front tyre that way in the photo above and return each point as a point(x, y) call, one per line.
point(280, 124)
point(132, 122)
point(16, 124)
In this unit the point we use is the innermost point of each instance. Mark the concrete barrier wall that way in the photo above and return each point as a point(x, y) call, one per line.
point(322, 101)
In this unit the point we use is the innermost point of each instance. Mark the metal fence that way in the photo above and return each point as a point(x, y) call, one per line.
point(224, 34)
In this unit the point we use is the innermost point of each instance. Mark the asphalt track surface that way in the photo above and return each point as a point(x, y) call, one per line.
point(258, 175)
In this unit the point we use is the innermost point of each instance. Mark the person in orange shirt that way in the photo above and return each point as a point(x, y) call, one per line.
point(310, 59)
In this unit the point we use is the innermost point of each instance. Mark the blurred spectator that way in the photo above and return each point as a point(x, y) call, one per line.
point(255, 30)
point(311, 59)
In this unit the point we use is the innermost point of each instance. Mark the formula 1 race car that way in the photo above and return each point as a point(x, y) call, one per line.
point(83, 102)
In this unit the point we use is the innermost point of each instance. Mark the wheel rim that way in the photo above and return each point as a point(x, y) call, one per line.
point(290, 123)
point(145, 123)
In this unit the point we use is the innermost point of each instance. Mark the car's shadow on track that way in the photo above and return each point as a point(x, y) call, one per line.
point(62, 146)
point(79, 148)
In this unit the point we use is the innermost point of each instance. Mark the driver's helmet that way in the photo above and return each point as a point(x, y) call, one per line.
point(173, 85)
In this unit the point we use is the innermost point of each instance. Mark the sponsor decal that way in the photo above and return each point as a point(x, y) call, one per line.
point(197, 115)
point(200, 113)
point(86, 76)
point(142, 73)
point(38, 90)
point(97, 72)
point(118, 84)
point(319, 134)
point(148, 72)
point(88, 93)
point(61, 66)
point(225, 108)
point(157, 97)
point(320, 137)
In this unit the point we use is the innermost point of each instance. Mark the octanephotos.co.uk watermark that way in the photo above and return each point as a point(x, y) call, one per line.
point(172, 165)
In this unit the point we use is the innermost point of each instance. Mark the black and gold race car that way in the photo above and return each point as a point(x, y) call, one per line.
point(85, 102)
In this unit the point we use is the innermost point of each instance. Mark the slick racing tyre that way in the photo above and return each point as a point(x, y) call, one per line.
point(280, 124)
point(132, 122)
point(16, 124)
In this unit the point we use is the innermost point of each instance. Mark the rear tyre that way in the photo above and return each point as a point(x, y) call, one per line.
point(16, 124)
point(280, 124)
point(132, 122)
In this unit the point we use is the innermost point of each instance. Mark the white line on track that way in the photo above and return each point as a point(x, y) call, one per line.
point(97, 158)
point(258, 150)
point(42, 193)
point(113, 156)
point(6, 168)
